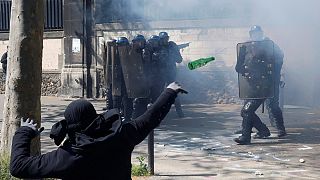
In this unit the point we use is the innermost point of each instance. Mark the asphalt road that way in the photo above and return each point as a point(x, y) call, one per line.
point(200, 146)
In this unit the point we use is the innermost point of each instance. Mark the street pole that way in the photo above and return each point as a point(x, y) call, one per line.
point(151, 152)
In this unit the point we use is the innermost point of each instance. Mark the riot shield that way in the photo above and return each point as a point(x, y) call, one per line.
point(256, 75)
point(107, 65)
point(133, 72)
point(117, 78)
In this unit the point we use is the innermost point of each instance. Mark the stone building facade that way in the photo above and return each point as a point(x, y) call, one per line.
point(51, 64)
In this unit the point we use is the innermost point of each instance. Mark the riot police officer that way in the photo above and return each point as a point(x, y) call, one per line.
point(272, 104)
point(170, 55)
point(119, 93)
point(110, 50)
point(250, 118)
point(151, 56)
point(135, 71)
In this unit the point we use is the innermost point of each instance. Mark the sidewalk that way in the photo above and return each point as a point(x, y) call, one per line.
point(200, 146)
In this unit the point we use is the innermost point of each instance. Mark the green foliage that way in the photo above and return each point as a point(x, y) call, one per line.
point(141, 169)
point(4, 168)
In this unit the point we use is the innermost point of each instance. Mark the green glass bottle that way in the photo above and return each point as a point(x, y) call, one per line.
point(199, 62)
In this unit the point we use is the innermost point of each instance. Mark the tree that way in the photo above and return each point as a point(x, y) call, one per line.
point(23, 85)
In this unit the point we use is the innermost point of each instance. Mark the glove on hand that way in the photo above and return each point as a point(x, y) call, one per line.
point(29, 123)
point(177, 88)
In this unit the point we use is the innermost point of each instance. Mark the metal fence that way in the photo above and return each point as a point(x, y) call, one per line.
point(53, 11)
point(53, 15)
point(5, 11)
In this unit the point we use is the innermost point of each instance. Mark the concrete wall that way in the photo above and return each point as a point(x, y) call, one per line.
point(51, 54)
point(51, 62)
point(52, 45)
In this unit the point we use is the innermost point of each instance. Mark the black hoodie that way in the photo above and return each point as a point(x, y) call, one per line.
point(105, 154)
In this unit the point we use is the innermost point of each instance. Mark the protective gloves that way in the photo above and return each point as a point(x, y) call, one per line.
point(177, 88)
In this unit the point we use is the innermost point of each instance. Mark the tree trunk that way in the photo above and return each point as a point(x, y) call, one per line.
point(23, 85)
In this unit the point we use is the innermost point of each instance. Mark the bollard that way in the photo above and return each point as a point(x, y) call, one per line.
point(151, 152)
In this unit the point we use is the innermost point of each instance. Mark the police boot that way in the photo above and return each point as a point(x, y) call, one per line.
point(245, 138)
point(261, 135)
point(280, 127)
point(281, 131)
point(242, 140)
point(279, 124)
point(263, 131)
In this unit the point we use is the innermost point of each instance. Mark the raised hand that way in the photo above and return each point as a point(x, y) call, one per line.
point(177, 87)
point(31, 124)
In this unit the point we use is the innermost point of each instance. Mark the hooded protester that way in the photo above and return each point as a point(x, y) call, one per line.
point(98, 146)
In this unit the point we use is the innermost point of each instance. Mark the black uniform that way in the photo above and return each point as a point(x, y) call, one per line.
point(119, 91)
point(110, 50)
point(272, 104)
point(251, 119)
point(140, 103)
point(170, 55)
point(101, 150)
point(151, 56)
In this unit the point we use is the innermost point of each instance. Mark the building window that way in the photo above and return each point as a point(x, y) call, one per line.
point(53, 15)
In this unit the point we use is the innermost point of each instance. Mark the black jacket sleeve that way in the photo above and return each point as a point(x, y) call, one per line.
point(138, 129)
point(22, 165)
point(176, 55)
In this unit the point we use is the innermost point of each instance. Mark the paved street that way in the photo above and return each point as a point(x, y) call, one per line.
point(200, 146)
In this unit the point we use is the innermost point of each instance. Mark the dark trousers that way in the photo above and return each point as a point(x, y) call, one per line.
point(275, 113)
point(177, 102)
point(109, 101)
point(250, 118)
point(124, 104)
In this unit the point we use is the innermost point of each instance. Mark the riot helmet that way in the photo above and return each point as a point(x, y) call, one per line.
point(139, 41)
point(164, 38)
point(122, 41)
point(154, 41)
point(256, 33)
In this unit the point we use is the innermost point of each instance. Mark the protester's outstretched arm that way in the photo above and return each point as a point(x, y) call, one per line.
point(23, 165)
point(138, 129)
